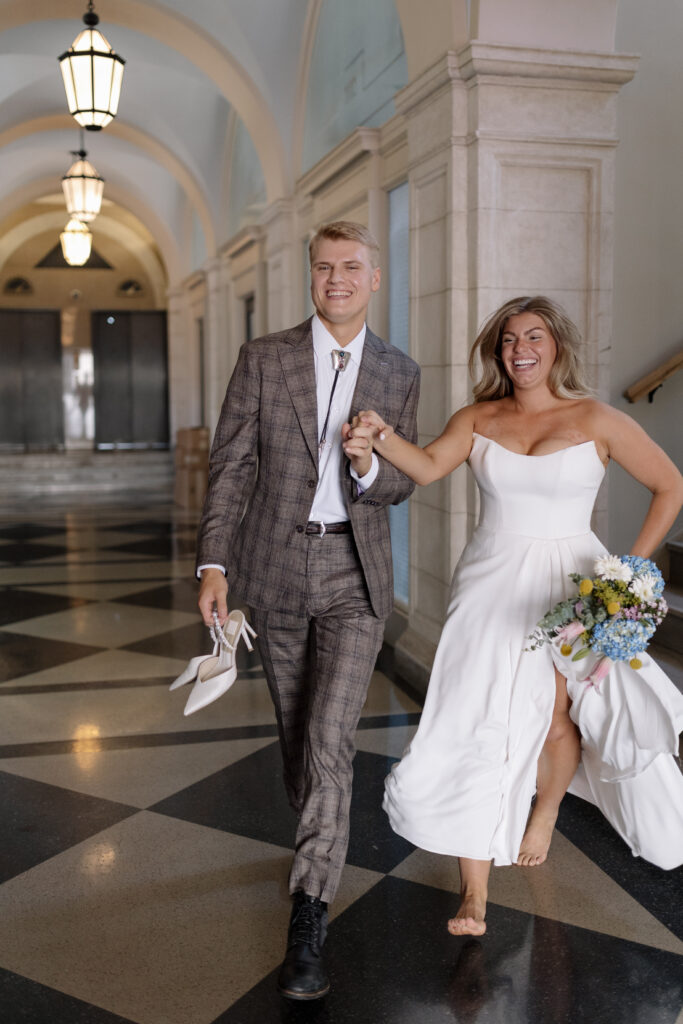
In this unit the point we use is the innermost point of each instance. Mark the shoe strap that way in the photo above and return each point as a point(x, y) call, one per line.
point(218, 635)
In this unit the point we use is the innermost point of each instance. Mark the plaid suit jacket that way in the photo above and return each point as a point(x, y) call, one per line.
point(264, 469)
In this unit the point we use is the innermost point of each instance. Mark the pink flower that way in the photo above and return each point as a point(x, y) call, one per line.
point(578, 607)
point(571, 631)
point(599, 672)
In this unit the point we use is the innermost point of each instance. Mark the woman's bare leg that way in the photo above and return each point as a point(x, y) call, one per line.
point(556, 766)
point(474, 881)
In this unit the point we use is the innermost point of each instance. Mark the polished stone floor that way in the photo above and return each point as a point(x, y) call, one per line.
point(144, 855)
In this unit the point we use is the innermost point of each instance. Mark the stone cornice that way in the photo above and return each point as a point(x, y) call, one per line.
point(252, 234)
point(538, 66)
point(521, 62)
point(359, 143)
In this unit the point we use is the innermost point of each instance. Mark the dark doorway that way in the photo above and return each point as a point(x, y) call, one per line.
point(131, 379)
point(31, 412)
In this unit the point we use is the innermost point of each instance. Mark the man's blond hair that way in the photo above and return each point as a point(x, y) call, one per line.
point(348, 230)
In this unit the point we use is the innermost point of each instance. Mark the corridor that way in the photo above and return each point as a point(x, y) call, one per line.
point(144, 855)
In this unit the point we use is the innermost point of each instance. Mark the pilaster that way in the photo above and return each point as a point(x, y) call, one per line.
point(511, 170)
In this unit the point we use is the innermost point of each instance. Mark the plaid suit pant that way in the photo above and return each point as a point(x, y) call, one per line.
point(318, 667)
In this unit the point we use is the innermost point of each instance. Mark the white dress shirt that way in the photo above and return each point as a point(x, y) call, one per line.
point(328, 503)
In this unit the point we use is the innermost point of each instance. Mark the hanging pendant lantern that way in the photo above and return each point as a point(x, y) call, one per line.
point(92, 75)
point(83, 188)
point(76, 243)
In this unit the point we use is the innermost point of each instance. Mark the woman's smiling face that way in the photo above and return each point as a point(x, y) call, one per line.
point(527, 350)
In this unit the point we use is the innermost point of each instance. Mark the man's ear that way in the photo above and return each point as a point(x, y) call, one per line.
point(376, 278)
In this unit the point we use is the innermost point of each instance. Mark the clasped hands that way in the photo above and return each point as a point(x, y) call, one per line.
point(365, 432)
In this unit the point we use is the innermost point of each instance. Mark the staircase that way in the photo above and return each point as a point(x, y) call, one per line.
point(110, 477)
point(667, 649)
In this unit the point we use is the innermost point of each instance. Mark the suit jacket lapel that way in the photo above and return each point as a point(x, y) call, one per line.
point(370, 392)
point(298, 366)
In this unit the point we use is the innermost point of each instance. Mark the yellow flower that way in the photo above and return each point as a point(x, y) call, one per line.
point(635, 663)
point(613, 607)
point(585, 587)
point(566, 649)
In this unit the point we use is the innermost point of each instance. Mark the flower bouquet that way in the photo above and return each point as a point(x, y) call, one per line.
point(613, 615)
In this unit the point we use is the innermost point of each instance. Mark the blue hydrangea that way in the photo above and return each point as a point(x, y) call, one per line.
point(644, 567)
point(621, 639)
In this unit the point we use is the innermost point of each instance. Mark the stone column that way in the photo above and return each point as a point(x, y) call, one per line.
point(216, 340)
point(281, 253)
point(512, 180)
point(183, 364)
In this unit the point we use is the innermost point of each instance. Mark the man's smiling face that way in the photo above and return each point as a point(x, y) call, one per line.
point(342, 281)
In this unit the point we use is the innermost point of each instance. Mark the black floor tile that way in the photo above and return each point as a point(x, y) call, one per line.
point(160, 526)
point(40, 820)
point(248, 798)
point(172, 546)
point(188, 642)
point(20, 552)
point(17, 605)
point(23, 1001)
point(20, 654)
point(25, 531)
point(660, 892)
point(179, 596)
point(392, 961)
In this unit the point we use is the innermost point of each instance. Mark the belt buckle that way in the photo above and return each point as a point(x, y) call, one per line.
point(319, 523)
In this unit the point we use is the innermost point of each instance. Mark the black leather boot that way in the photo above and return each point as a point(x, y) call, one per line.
point(302, 975)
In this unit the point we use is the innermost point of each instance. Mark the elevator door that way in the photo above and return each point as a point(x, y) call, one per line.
point(131, 379)
point(31, 411)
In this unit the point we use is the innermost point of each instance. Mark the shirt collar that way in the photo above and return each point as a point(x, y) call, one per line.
point(324, 343)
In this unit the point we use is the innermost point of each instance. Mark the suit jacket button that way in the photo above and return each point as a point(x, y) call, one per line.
point(310, 483)
point(299, 529)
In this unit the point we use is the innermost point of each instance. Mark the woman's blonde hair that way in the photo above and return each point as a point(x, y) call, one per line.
point(566, 378)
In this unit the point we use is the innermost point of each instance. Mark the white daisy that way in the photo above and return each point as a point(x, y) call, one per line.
point(611, 567)
point(644, 587)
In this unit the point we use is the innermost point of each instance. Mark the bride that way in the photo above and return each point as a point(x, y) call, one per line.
point(501, 722)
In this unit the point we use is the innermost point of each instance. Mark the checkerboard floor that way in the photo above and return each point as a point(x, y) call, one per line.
point(144, 859)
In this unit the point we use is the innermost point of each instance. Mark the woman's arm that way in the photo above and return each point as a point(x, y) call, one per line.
point(423, 465)
point(636, 452)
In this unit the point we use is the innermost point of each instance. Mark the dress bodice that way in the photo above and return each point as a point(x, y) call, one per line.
point(544, 496)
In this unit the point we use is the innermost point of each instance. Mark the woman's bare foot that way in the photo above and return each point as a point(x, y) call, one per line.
point(470, 917)
point(536, 841)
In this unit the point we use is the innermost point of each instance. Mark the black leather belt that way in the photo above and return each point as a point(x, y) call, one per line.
point(320, 529)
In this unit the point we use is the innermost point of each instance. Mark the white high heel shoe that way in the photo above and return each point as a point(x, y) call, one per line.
point(213, 680)
point(190, 673)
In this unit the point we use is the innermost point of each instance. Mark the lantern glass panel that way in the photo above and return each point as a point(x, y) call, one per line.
point(76, 243)
point(92, 75)
point(83, 190)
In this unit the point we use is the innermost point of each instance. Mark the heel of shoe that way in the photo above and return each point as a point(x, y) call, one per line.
point(246, 632)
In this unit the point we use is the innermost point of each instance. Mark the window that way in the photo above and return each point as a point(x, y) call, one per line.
point(399, 335)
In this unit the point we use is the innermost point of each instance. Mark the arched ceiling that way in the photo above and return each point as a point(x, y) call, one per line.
point(187, 75)
point(193, 71)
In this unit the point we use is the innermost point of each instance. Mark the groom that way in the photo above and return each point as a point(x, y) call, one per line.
point(299, 527)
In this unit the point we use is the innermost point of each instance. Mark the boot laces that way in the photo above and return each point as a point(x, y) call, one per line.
point(306, 925)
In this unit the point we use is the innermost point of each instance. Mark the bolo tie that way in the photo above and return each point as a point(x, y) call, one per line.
point(339, 362)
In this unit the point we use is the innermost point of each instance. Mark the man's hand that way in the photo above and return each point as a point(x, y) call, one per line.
point(213, 591)
point(357, 445)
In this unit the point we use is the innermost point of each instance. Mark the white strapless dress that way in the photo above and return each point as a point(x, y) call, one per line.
point(465, 783)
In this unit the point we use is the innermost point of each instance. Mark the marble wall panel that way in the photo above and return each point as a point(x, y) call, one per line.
point(429, 596)
point(531, 109)
point(433, 542)
point(430, 329)
point(430, 254)
point(435, 400)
